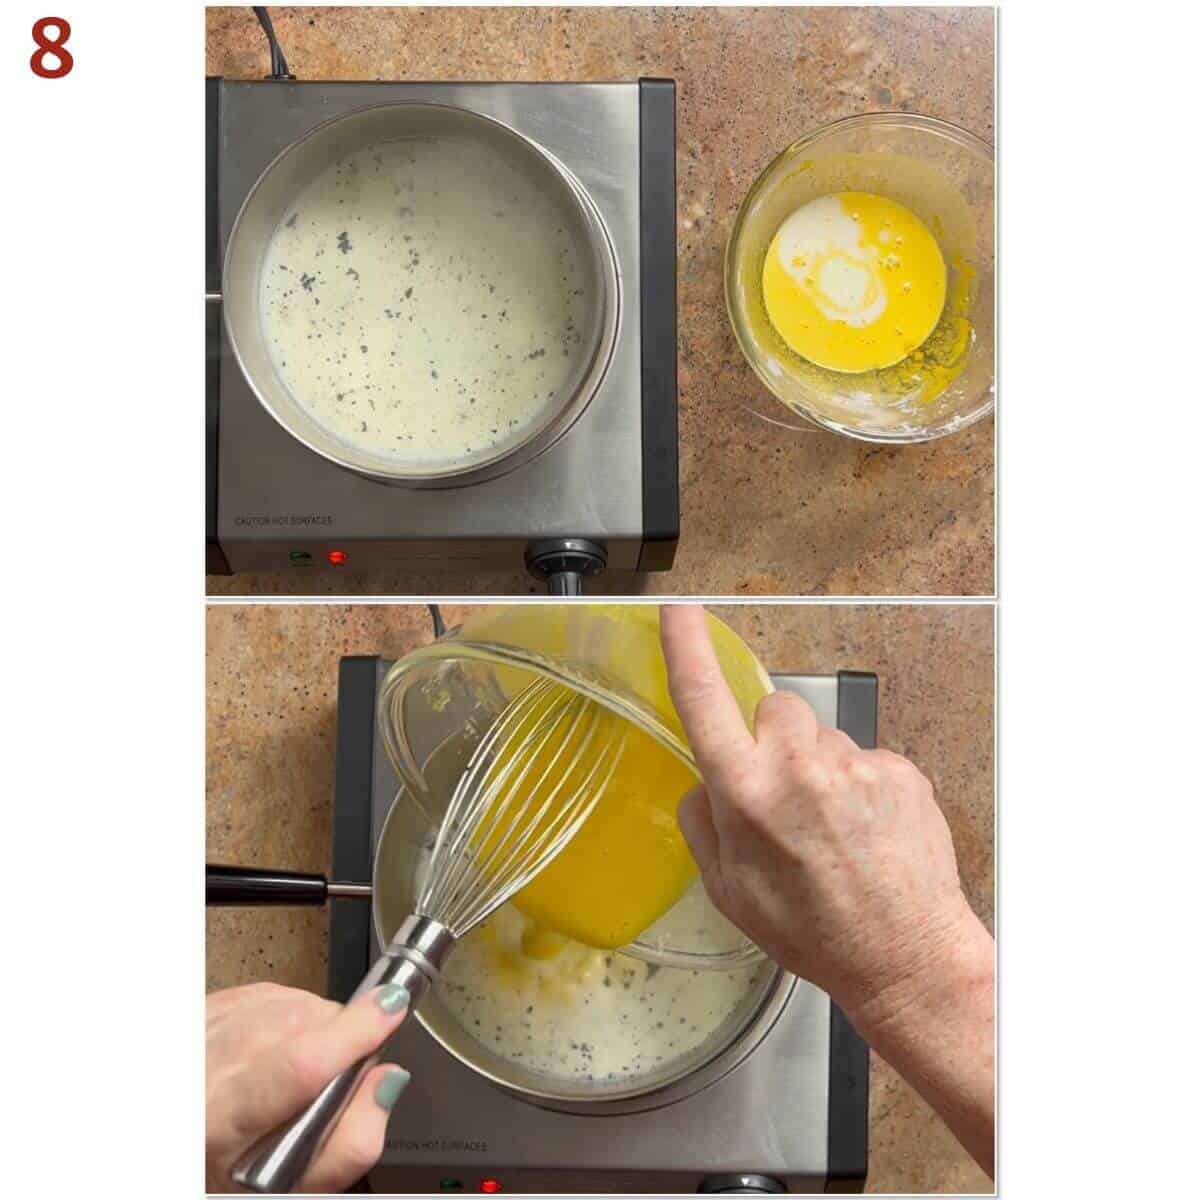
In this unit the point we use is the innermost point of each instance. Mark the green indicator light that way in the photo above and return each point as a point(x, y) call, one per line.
point(299, 556)
point(450, 1185)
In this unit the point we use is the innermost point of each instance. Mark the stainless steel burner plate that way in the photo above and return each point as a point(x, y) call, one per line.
point(793, 1113)
point(612, 479)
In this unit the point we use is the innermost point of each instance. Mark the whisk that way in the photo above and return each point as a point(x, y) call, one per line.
point(532, 781)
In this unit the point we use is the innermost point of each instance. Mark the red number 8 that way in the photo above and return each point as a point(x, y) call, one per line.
point(57, 47)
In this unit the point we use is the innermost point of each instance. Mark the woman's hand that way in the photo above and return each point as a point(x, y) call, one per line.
point(838, 862)
point(270, 1050)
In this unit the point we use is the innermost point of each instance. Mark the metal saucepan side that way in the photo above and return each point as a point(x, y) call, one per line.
point(403, 846)
point(276, 190)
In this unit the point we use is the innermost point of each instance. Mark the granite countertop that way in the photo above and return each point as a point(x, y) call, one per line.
point(272, 690)
point(765, 510)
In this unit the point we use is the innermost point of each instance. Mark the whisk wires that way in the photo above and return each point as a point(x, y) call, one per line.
point(531, 783)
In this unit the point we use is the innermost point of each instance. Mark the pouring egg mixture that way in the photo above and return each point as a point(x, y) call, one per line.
point(854, 282)
point(627, 864)
point(539, 982)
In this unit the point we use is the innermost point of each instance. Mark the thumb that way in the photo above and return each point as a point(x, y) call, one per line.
point(696, 824)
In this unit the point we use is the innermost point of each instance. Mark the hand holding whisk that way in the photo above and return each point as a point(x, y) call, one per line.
point(533, 780)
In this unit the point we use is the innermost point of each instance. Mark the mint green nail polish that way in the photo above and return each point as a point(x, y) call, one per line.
point(391, 1087)
point(393, 997)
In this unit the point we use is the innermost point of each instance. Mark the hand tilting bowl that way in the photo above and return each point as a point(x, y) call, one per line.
point(945, 176)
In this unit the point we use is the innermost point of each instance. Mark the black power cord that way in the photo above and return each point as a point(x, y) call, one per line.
point(439, 626)
point(279, 67)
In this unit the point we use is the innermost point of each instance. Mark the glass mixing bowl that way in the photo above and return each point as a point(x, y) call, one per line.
point(946, 176)
point(437, 702)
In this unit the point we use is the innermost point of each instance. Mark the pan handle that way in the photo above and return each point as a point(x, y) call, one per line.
point(225, 886)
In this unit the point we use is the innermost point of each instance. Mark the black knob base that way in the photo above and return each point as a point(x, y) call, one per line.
point(564, 563)
point(745, 1185)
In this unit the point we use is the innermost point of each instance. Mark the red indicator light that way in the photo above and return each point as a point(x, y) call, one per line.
point(491, 1186)
point(336, 557)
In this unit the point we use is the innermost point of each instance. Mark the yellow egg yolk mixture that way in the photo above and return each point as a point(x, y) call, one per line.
point(854, 282)
point(627, 865)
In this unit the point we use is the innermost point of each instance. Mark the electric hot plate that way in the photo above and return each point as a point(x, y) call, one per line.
point(605, 494)
point(790, 1117)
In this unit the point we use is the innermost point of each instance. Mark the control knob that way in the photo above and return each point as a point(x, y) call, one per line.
point(745, 1185)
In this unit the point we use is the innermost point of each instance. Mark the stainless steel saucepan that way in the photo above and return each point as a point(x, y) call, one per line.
point(299, 164)
point(399, 862)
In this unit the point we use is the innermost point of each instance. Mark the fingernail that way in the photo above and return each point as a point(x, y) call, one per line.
point(391, 1087)
point(393, 997)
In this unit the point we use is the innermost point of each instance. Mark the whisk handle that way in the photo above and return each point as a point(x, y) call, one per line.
point(279, 1161)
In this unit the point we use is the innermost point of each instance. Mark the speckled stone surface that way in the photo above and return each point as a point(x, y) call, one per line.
point(272, 687)
point(765, 510)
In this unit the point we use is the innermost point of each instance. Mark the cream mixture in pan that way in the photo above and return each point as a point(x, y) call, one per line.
point(583, 1014)
point(424, 300)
